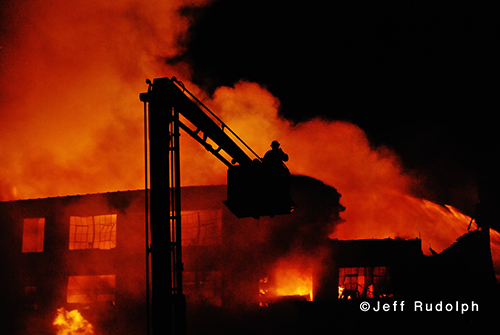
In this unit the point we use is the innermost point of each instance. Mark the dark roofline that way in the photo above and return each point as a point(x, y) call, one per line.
point(104, 193)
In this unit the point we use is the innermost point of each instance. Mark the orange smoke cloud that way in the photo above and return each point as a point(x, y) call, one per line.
point(375, 190)
point(70, 117)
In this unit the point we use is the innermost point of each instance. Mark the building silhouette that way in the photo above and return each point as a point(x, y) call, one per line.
point(88, 252)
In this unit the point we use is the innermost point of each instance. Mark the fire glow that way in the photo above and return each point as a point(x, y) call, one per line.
point(294, 282)
point(291, 277)
point(72, 322)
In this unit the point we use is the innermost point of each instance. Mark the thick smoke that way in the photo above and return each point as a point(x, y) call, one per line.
point(70, 117)
point(376, 190)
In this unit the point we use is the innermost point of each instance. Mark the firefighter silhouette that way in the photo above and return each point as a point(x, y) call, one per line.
point(275, 156)
point(276, 178)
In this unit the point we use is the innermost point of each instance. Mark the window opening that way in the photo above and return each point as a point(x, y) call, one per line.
point(92, 232)
point(364, 282)
point(203, 286)
point(33, 234)
point(90, 289)
point(201, 227)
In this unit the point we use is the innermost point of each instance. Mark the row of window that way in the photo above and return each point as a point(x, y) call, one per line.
point(206, 286)
point(91, 232)
point(354, 282)
point(200, 286)
point(99, 231)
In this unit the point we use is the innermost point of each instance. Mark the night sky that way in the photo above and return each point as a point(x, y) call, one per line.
point(417, 76)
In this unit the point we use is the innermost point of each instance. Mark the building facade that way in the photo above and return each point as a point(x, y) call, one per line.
point(265, 276)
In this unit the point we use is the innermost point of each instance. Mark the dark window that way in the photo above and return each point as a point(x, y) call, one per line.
point(203, 286)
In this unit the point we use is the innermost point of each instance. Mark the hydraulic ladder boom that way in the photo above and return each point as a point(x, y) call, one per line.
point(253, 189)
point(204, 121)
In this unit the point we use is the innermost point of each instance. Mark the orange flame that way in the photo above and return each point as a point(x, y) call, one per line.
point(290, 276)
point(72, 323)
point(290, 281)
point(340, 291)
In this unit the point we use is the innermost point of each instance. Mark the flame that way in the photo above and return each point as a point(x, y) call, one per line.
point(72, 323)
point(340, 291)
point(290, 281)
point(402, 215)
point(291, 276)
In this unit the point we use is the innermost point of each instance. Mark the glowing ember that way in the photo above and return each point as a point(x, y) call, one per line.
point(72, 323)
point(263, 290)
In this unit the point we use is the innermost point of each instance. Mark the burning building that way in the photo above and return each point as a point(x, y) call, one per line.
point(78, 251)
point(370, 269)
point(269, 275)
point(88, 253)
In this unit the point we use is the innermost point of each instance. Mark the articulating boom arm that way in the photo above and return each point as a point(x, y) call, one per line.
point(254, 188)
point(207, 124)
